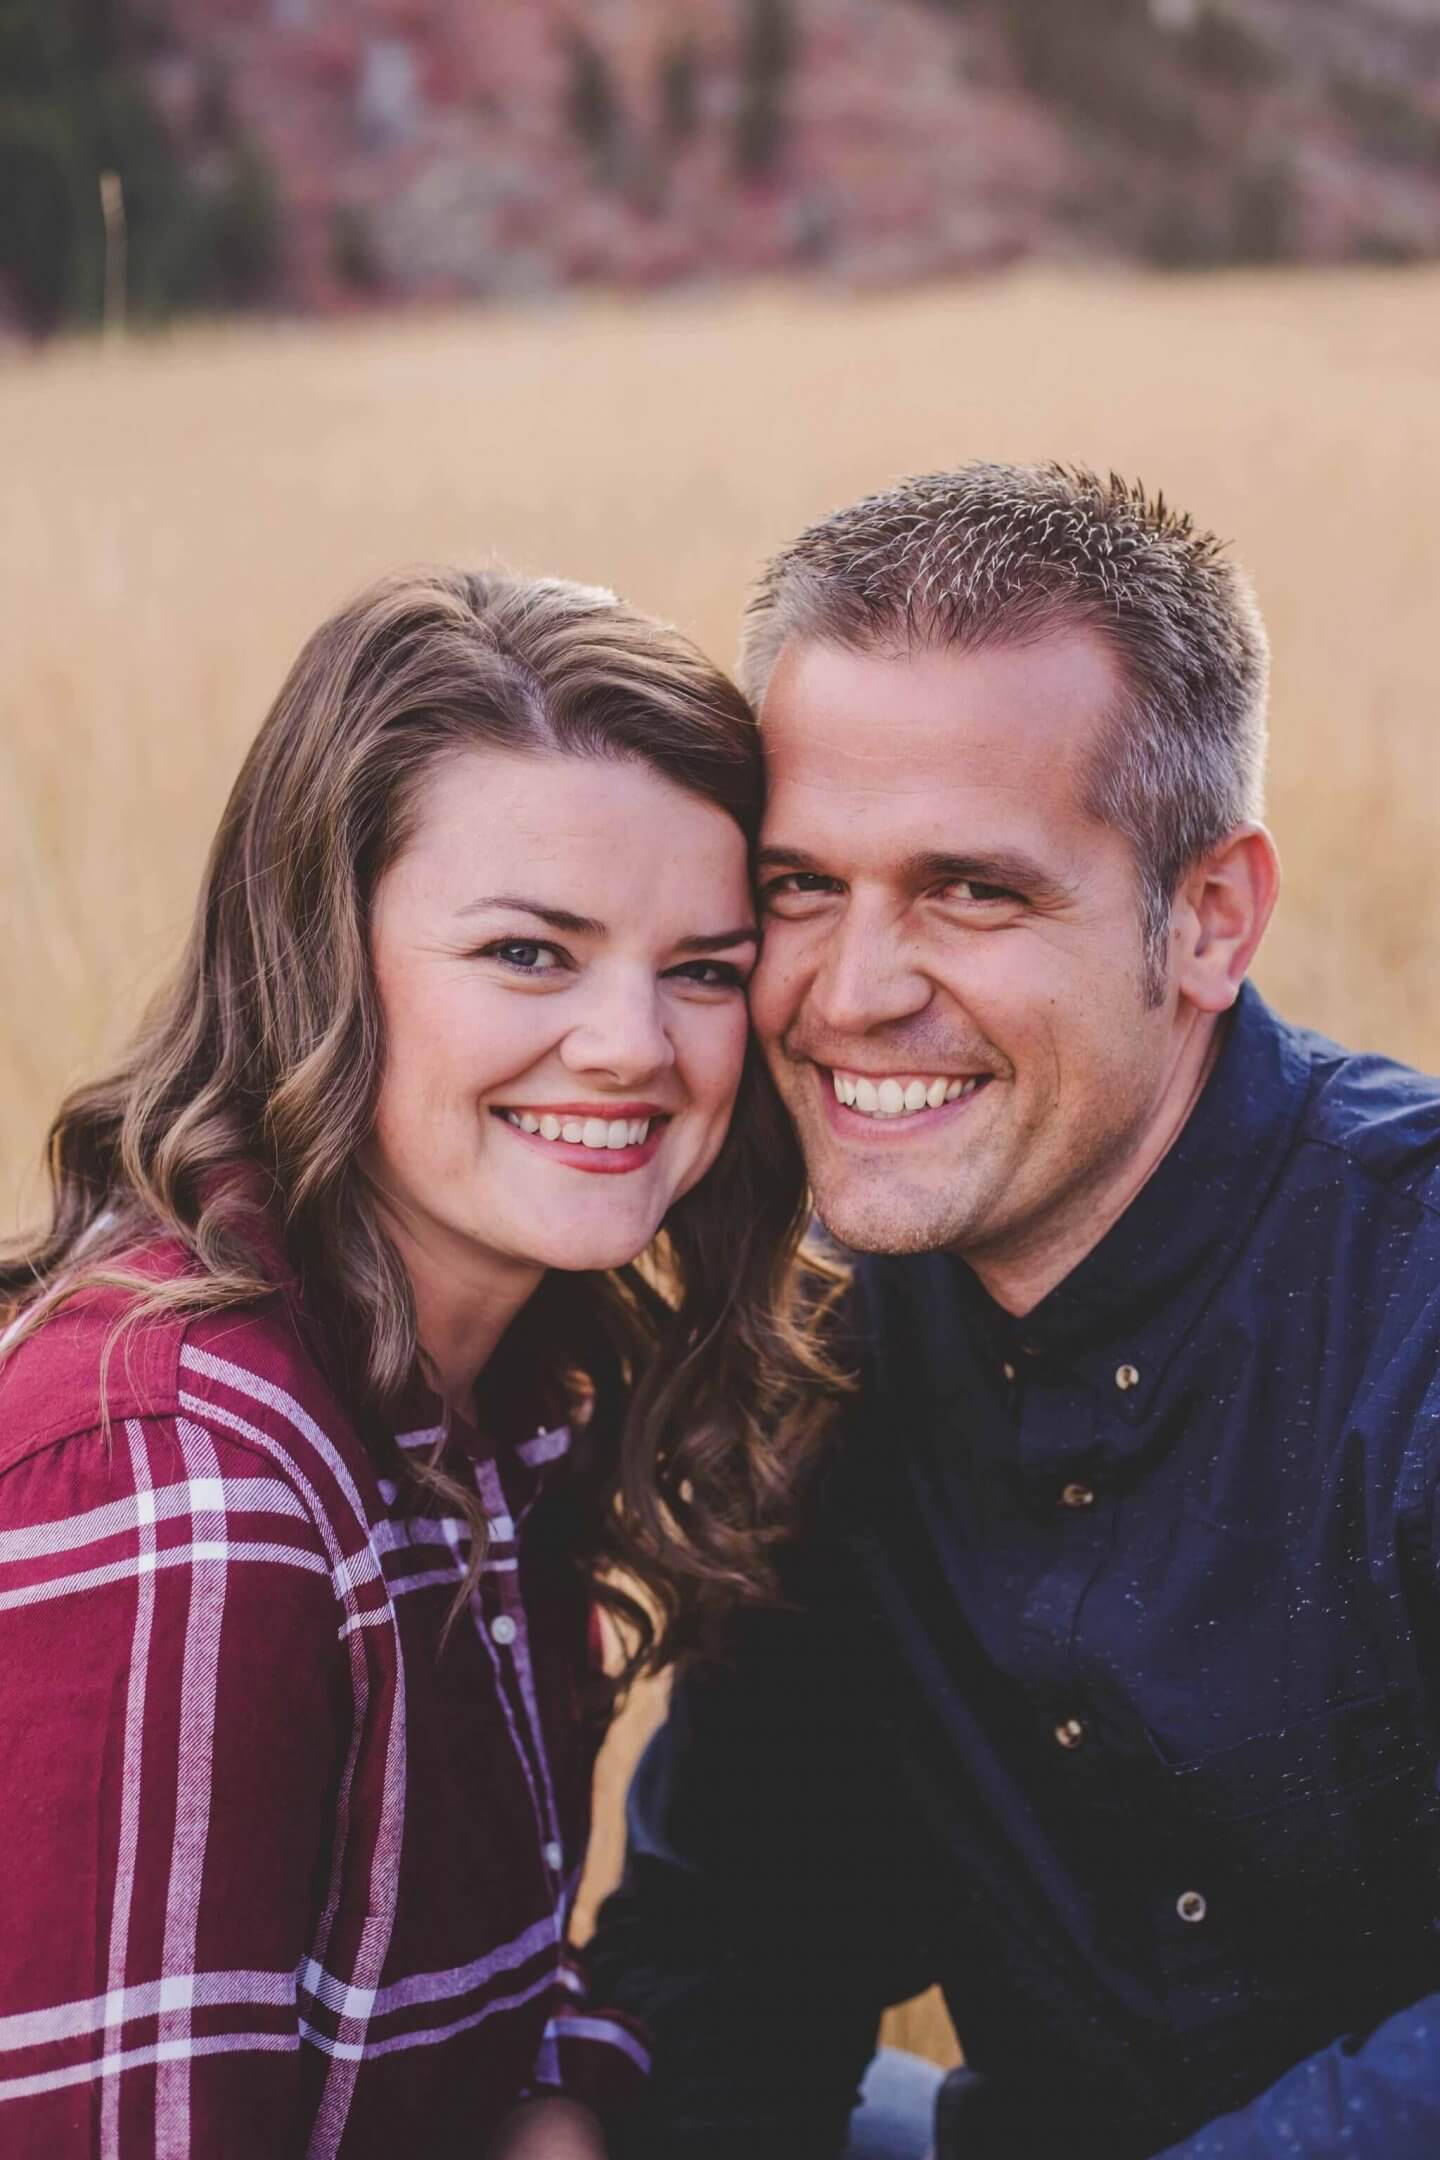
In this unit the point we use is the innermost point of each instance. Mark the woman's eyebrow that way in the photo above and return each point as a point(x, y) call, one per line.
point(554, 918)
point(590, 926)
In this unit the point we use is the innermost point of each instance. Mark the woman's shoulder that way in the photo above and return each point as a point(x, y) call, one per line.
point(248, 1375)
point(252, 1377)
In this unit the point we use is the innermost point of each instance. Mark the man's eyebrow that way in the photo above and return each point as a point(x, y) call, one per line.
point(555, 918)
point(718, 941)
point(1006, 867)
point(787, 858)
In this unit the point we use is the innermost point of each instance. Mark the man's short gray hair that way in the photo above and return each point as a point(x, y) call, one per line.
point(1005, 554)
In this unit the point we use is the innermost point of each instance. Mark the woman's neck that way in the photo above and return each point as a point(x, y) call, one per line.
point(464, 1302)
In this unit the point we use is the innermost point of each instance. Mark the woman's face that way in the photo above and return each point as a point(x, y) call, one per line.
point(561, 952)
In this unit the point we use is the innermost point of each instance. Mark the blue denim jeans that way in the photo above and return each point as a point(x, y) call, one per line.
point(896, 2116)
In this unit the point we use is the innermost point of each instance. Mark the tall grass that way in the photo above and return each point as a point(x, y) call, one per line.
point(175, 516)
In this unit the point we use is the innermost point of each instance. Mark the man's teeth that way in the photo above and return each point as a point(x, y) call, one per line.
point(899, 1097)
point(583, 1132)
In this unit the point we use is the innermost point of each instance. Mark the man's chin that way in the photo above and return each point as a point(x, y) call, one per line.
point(868, 1223)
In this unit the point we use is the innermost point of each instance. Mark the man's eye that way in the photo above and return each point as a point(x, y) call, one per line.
point(710, 974)
point(986, 895)
point(798, 881)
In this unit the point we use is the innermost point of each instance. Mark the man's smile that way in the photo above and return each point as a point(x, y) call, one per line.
point(894, 1104)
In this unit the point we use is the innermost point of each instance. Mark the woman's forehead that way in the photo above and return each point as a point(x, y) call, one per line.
point(595, 838)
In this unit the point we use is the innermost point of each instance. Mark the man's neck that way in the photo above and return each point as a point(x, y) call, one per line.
point(1027, 1271)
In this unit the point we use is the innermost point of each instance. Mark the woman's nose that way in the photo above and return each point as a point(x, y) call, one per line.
point(622, 1034)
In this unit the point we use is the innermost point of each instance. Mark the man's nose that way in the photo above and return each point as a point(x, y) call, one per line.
point(867, 978)
point(621, 1033)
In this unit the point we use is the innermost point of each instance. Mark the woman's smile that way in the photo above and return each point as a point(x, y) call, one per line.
point(606, 1137)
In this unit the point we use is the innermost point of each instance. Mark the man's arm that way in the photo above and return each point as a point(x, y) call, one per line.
point(1378, 2100)
point(1370, 2098)
point(763, 1920)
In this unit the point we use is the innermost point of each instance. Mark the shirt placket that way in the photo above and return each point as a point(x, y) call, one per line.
point(1070, 1518)
point(505, 1620)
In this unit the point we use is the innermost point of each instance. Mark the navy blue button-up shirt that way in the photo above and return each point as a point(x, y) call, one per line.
point(1110, 1698)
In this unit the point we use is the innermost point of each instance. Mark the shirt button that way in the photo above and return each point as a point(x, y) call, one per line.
point(502, 1628)
point(1126, 1376)
point(1191, 1907)
point(1077, 1496)
point(1070, 1733)
point(554, 1859)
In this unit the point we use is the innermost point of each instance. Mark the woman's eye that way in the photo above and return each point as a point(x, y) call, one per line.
point(524, 955)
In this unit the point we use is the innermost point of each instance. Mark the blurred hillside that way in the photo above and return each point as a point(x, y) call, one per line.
point(320, 154)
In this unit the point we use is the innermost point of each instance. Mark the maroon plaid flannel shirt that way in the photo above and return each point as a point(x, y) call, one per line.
point(274, 1878)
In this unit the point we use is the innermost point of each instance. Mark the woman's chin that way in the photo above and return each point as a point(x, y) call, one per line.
point(590, 1249)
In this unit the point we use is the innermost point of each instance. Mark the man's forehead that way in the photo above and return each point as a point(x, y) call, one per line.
point(884, 713)
point(935, 750)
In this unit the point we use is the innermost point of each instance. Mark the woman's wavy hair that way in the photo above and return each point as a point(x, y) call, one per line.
point(698, 1375)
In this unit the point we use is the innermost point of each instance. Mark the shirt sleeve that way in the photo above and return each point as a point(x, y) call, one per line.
point(1378, 2099)
point(755, 1931)
point(174, 1706)
point(1366, 2097)
point(591, 2053)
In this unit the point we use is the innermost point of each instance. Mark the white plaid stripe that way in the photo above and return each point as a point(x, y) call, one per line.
point(294, 1414)
point(104, 2013)
point(577, 2025)
point(111, 2013)
point(44, 2081)
point(425, 1987)
point(166, 1503)
point(148, 1561)
point(426, 1437)
point(355, 2052)
point(130, 1789)
point(348, 1570)
point(334, 2105)
point(198, 1681)
point(400, 1533)
point(230, 1420)
point(546, 1447)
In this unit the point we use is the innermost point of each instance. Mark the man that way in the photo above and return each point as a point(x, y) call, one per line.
point(1106, 1693)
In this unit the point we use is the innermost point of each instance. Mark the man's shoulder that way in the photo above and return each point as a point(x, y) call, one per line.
point(1378, 1118)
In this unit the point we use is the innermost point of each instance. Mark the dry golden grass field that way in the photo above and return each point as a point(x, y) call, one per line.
point(175, 515)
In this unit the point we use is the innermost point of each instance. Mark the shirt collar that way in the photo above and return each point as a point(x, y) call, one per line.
point(1132, 1300)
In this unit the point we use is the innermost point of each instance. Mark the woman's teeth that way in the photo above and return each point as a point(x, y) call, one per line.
point(900, 1097)
point(591, 1132)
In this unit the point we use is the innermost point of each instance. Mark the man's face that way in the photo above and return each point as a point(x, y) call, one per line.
point(947, 929)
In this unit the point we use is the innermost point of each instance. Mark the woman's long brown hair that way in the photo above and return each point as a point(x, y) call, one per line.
point(701, 1369)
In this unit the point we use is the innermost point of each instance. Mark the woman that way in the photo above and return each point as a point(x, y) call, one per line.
point(311, 1402)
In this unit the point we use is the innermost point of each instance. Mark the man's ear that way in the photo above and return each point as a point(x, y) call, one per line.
point(1220, 915)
